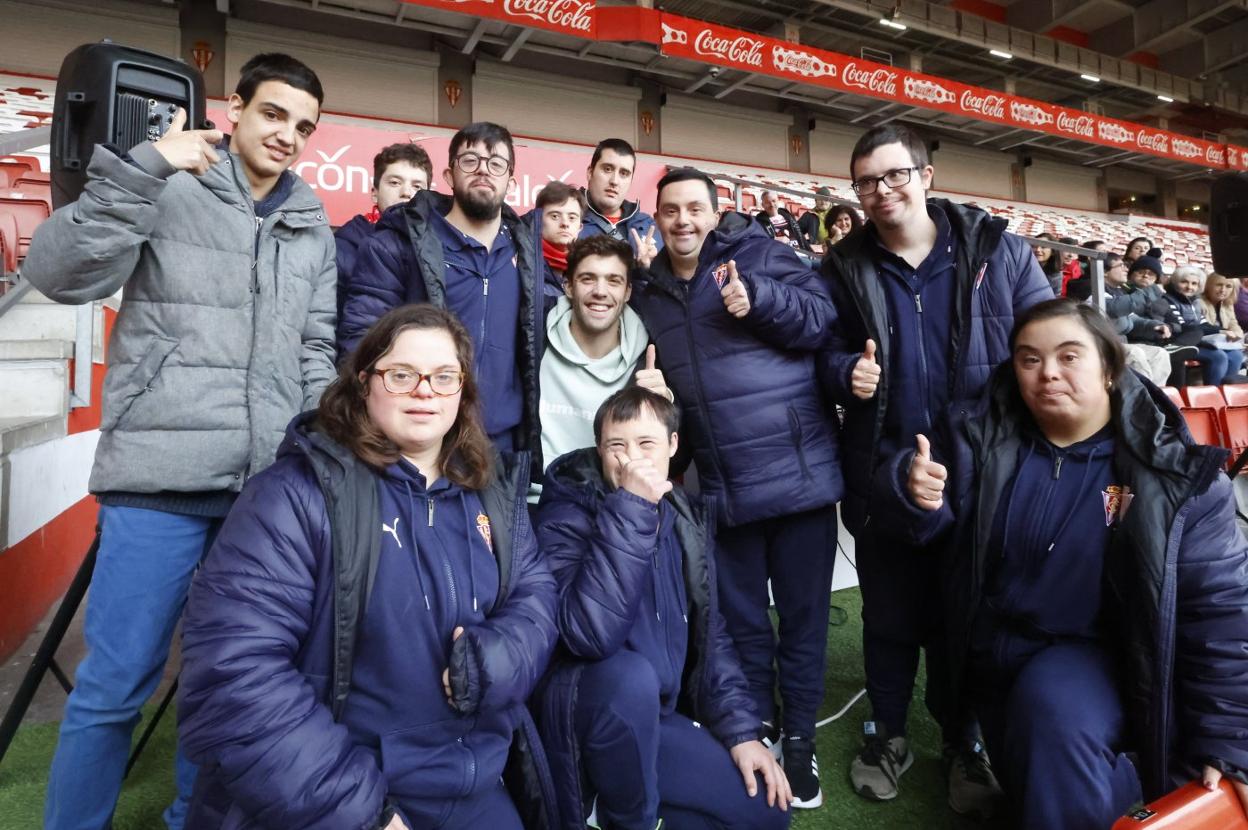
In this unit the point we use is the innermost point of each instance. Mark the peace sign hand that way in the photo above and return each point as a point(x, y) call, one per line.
point(645, 247)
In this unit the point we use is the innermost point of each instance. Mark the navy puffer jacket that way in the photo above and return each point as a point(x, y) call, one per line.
point(763, 439)
point(347, 241)
point(1175, 598)
point(270, 635)
point(599, 546)
point(632, 218)
point(997, 278)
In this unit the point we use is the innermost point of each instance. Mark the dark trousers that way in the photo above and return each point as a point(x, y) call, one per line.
point(1052, 719)
point(491, 808)
point(644, 766)
point(901, 616)
point(796, 553)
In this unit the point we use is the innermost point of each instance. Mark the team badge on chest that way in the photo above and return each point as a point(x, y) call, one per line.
point(721, 274)
point(483, 527)
point(1117, 499)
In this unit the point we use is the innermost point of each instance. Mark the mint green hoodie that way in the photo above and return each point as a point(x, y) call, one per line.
point(574, 386)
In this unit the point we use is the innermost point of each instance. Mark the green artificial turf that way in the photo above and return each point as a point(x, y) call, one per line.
point(23, 774)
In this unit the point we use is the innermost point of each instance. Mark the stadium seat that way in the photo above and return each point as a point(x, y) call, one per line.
point(1174, 395)
point(8, 236)
point(1191, 807)
point(1204, 397)
point(1203, 410)
point(17, 168)
point(28, 188)
point(1235, 420)
point(28, 213)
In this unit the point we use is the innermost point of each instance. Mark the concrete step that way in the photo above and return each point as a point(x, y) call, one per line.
point(17, 433)
point(36, 349)
point(34, 388)
point(38, 321)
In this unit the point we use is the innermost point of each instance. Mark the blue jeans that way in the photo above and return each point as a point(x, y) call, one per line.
point(143, 570)
point(1217, 364)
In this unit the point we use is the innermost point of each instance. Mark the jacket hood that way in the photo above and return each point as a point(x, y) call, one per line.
point(733, 229)
point(633, 340)
point(576, 477)
point(976, 230)
point(627, 209)
point(228, 181)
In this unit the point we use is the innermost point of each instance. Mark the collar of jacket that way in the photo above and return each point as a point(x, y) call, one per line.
point(228, 181)
point(627, 209)
point(732, 230)
point(353, 508)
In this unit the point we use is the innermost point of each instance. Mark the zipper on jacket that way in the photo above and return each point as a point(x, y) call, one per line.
point(430, 512)
point(697, 379)
point(1057, 467)
point(925, 386)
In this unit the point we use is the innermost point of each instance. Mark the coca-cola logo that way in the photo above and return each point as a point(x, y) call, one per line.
point(739, 50)
point(1233, 156)
point(576, 15)
point(1157, 142)
point(1215, 155)
point(880, 81)
point(801, 63)
point(743, 49)
point(1076, 124)
point(989, 106)
point(1186, 149)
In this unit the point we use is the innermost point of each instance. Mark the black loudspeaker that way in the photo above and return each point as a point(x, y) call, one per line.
point(111, 94)
point(1228, 224)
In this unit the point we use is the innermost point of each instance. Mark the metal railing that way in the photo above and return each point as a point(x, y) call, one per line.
point(84, 320)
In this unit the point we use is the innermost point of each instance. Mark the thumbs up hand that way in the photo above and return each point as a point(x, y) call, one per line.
point(736, 298)
point(866, 376)
point(926, 482)
point(652, 378)
point(190, 150)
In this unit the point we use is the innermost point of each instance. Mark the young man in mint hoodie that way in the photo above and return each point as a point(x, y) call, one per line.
point(595, 344)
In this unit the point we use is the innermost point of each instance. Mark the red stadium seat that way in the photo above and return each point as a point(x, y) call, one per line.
point(1204, 397)
point(1191, 807)
point(28, 188)
point(28, 213)
point(1235, 420)
point(16, 168)
point(1203, 424)
point(1174, 395)
point(8, 236)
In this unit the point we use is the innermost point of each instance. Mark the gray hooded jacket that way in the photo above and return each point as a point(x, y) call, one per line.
point(226, 327)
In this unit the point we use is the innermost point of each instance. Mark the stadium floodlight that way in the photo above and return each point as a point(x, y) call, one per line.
point(1165, 98)
point(1092, 79)
point(997, 53)
point(892, 24)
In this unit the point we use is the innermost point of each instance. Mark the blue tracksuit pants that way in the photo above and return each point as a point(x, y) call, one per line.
point(796, 553)
point(1052, 721)
point(644, 766)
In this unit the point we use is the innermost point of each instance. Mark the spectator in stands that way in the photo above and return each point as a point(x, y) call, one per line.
point(1144, 271)
point(1050, 264)
point(594, 345)
point(332, 674)
point(1218, 305)
point(902, 290)
point(1136, 248)
point(1140, 323)
point(634, 559)
point(813, 223)
point(780, 223)
point(610, 176)
point(1071, 268)
point(737, 321)
point(399, 171)
point(840, 222)
point(219, 342)
point(1086, 611)
point(1241, 303)
point(1218, 365)
point(468, 252)
point(561, 208)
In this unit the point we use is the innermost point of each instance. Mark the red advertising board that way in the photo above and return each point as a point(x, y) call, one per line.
point(337, 164)
point(570, 17)
point(710, 43)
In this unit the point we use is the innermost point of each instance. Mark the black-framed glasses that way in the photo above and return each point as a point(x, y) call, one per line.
point(402, 381)
point(893, 178)
point(494, 165)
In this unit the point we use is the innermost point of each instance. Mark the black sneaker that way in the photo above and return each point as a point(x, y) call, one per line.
point(771, 739)
point(802, 770)
point(973, 788)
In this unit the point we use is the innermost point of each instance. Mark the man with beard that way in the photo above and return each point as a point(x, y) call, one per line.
point(469, 253)
point(610, 175)
point(926, 298)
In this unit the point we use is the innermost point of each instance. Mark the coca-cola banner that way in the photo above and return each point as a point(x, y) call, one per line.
point(709, 43)
point(570, 17)
point(337, 164)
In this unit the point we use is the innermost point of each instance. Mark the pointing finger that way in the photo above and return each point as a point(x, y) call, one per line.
point(178, 122)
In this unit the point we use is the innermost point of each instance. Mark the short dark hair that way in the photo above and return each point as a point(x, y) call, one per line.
point(1092, 243)
point(597, 245)
point(1113, 355)
point(1143, 239)
point(556, 193)
point(274, 66)
point(1112, 259)
point(689, 174)
point(877, 137)
point(617, 145)
point(467, 456)
point(407, 151)
point(628, 404)
point(483, 132)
